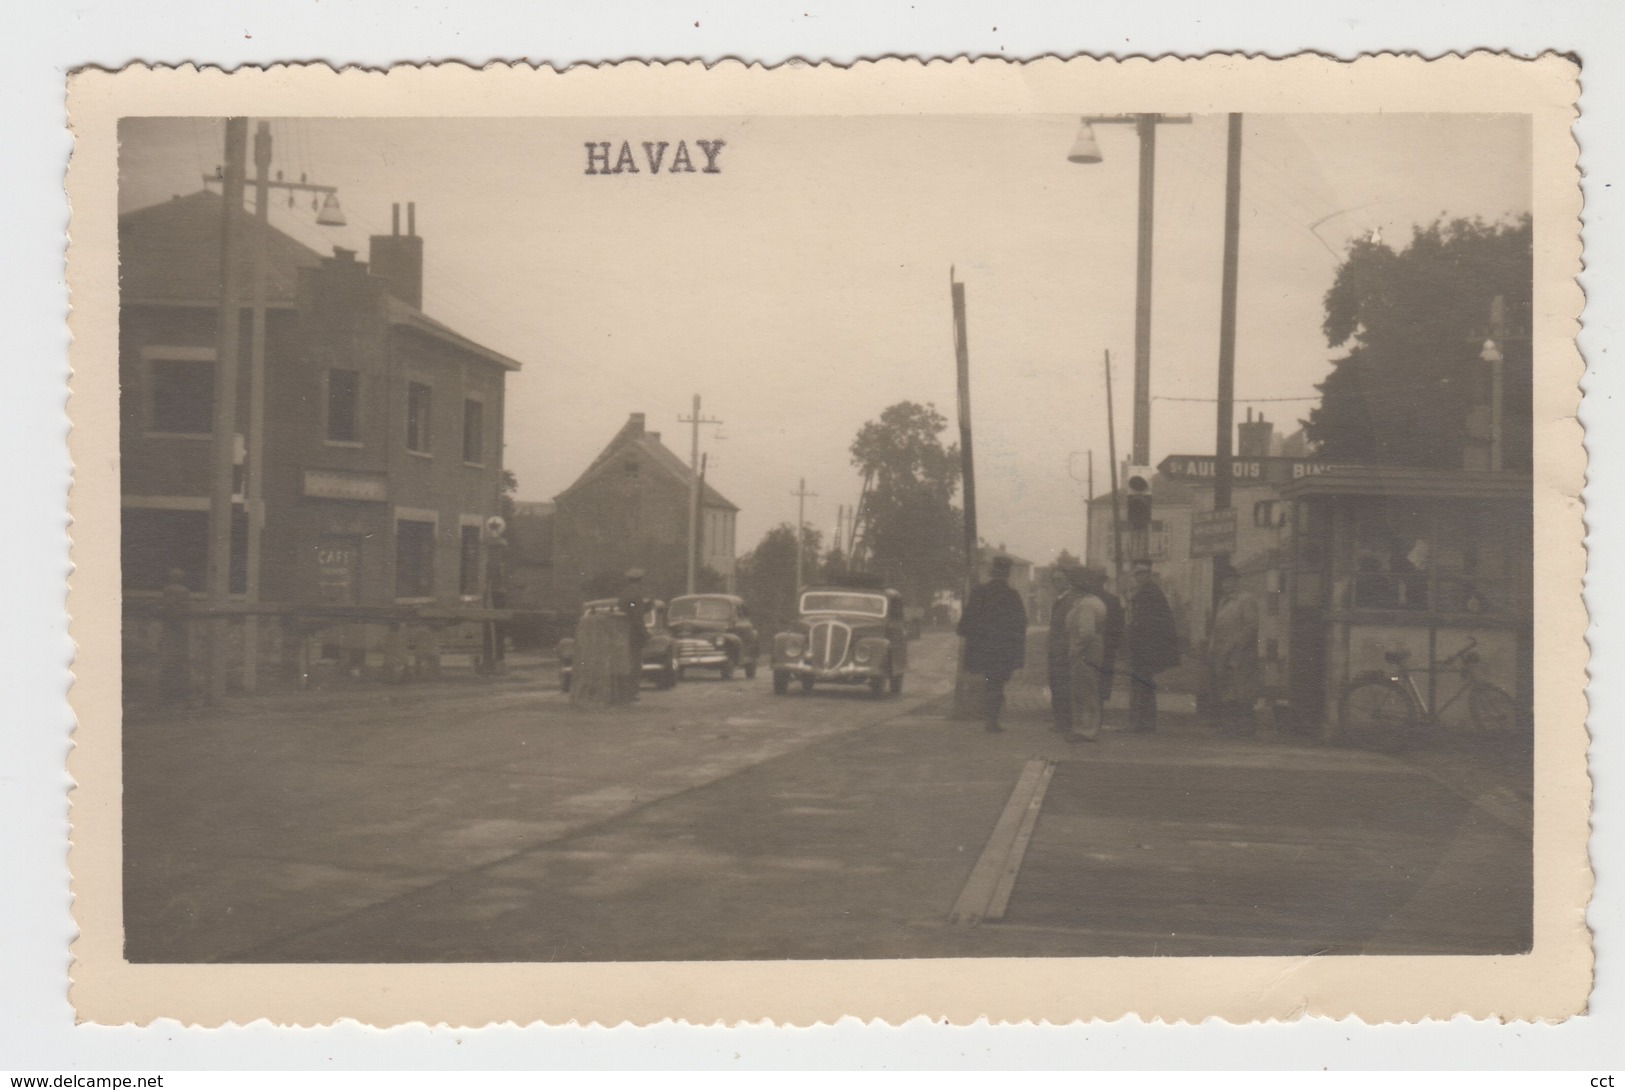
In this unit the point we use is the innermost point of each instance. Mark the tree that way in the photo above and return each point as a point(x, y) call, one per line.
point(1067, 560)
point(767, 575)
point(914, 530)
point(1411, 388)
point(510, 485)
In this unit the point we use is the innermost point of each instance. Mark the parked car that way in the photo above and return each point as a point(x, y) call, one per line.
point(845, 635)
point(713, 630)
point(659, 653)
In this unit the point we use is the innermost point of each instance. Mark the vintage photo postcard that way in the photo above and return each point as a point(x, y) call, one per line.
point(1058, 540)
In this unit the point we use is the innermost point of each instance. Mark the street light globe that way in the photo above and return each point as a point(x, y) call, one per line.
point(1084, 148)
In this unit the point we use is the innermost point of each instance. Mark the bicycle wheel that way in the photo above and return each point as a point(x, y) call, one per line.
point(1492, 710)
point(1380, 714)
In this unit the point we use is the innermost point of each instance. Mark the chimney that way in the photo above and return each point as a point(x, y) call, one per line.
point(1254, 437)
point(397, 259)
point(634, 424)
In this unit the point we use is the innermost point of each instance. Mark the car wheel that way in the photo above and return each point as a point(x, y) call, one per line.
point(682, 672)
point(806, 684)
point(897, 683)
point(727, 670)
point(750, 670)
point(667, 678)
point(564, 683)
point(877, 687)
point(781, 682)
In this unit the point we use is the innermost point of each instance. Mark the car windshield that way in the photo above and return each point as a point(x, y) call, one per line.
point(700, 609)
point(826, 601)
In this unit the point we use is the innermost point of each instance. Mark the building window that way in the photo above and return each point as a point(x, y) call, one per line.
point(419, 398)
point(473, 432)
point(414, 559)
point(182, 396)
point(468, 564)
point(155, 542)
point(343, 405)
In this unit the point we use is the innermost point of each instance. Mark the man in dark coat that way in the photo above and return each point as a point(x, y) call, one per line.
point(994, 625)
point(1152, 645)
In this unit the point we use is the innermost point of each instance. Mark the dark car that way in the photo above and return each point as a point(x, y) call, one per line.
point(844, 636)
point(659, 653)
point(713, 630)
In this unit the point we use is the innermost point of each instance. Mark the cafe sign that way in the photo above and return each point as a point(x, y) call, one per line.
point(1197, 468)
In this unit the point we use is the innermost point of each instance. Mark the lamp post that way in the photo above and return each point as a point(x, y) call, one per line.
point(1086, 151)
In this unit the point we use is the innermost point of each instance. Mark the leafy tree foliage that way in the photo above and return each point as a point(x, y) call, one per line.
point(1067, 560)
point(767, 575)
point(915, 531)
point(1413, 388)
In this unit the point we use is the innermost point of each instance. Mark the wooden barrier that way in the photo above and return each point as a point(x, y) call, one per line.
point(603, 664)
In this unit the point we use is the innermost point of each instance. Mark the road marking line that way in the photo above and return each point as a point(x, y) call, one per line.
point(987, 892)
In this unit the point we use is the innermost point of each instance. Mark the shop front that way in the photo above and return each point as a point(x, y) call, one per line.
point(1421, 570)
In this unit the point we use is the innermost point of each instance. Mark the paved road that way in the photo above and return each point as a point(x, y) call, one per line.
point(719, 821)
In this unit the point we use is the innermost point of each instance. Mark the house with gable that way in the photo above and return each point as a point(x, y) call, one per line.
point(630, 508)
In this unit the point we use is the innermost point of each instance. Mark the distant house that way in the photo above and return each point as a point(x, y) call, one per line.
point(530, 554)
point(630, 508)
point(383, 428)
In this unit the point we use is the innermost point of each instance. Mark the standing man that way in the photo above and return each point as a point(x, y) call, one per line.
point(994, 625)
point(634, 605)
point(1232, 664)
point(1060, 658)
point(1094, 582)
point(1153, 646)
point(1086, 622)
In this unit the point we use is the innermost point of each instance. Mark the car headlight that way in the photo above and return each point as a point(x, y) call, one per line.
point(861, 655)
point(716, 641)
point(795, 646)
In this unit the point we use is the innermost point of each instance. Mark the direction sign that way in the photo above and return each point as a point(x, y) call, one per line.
point(1213, 533)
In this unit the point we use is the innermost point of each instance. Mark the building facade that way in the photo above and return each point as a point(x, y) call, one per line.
point(382, 428)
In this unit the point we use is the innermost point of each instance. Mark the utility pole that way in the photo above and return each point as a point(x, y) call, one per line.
point(1222, 458)
point(694, 487)
point(1089, 510)
point(801, 494)
point(254, 475)
point(1111, 453)
point(225, 402)
point(967, 460)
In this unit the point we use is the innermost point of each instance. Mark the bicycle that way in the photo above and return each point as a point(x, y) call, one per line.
point(1388, 708)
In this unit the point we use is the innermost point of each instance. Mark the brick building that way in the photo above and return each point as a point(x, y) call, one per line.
point(382, 427)
point(630, 508)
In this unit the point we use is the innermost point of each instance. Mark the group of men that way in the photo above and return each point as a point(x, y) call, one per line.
point(1089, 630)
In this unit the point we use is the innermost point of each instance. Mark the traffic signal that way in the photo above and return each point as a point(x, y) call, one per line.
point(1137, 497)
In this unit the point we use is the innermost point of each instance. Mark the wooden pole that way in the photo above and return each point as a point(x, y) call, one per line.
point(1223, 460)
point(968, 690)
point(225, 401)
point(1146, 126)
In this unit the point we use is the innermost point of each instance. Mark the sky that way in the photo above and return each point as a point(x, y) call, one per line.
point(804, 287)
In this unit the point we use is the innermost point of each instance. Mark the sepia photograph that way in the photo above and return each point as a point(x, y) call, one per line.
point(824, 536)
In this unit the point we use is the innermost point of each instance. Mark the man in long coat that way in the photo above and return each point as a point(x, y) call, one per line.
point(1152, 645)
point(994, 625)
point(1234, 671)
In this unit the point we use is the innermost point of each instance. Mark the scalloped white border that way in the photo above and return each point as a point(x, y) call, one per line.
point(1551, 983)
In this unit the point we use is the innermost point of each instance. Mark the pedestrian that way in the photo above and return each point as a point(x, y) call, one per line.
point(994, 625)
point(1152, 645)
point(1233, 668)
point(634, 605)
point(1093, 581)
point(1086, 621)
point(1060, 660)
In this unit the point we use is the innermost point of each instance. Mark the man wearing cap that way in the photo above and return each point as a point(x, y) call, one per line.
point(634, 606)
point(1093, 581)
point(1152, 645)
point(994, 625)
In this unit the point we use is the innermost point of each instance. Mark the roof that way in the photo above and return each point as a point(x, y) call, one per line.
point(169, 254)
point(633, 436)
point(1442, 484)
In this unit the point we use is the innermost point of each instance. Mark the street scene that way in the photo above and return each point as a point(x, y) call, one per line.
point(575, 540)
